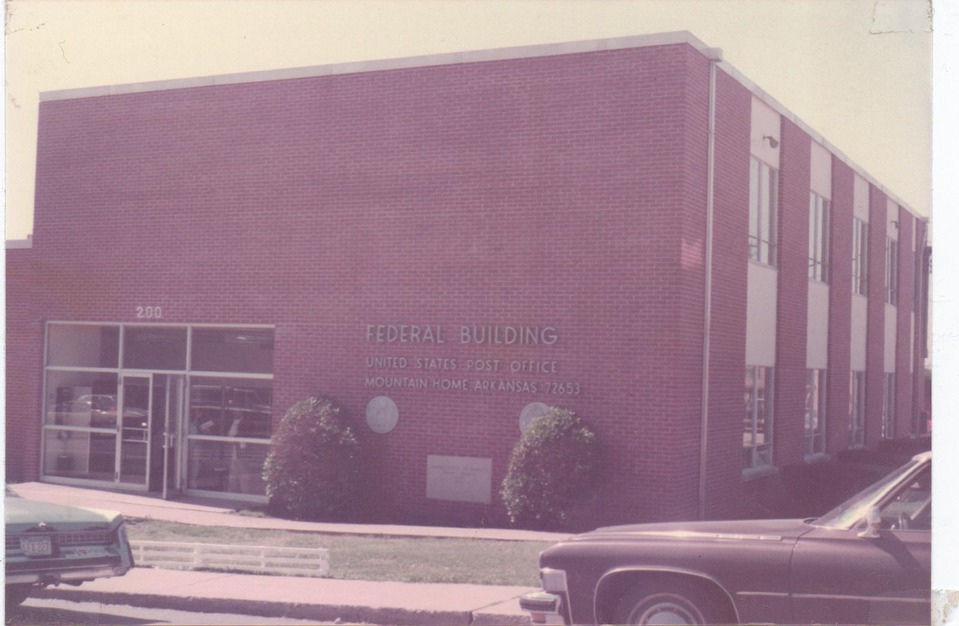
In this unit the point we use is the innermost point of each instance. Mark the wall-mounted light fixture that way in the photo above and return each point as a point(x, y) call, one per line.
point(773, 142)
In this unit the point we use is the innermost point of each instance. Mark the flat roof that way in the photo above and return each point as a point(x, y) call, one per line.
point(478, 56)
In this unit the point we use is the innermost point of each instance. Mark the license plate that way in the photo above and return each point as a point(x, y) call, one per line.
point(36, 546)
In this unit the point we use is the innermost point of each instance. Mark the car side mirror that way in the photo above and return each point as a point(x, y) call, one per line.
point(873, 519)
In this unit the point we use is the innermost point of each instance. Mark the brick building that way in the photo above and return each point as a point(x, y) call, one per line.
point(447, 245)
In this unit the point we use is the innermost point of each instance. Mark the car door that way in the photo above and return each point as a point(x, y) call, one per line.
point(843, 576)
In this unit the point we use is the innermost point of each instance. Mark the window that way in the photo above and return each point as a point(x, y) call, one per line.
point(818, 237)
point(815, 412)
point(232, 350)
point(860, 256)
point(889, 406)
point(758, 420)
point(209, 387)
point(911, 508)
point(762, 212)
point(857, 409)
point(230, 422)
point(83, 345)
point(892, 270)
point(154, 348)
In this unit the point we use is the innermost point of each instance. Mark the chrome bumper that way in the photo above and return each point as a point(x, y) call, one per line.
point(543, 607)
point(75, 576)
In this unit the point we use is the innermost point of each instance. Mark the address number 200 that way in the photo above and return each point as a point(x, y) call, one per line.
point(149, 312)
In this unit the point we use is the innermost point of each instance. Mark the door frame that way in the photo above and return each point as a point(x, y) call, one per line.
point(121, 410)
point(173, 423)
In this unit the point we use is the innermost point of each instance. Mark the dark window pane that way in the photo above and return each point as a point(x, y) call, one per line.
point(83, 345)
point(233, 350)
point(231, 407)
point(154, 348)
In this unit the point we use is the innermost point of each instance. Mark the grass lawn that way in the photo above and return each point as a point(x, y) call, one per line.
point(360, 557)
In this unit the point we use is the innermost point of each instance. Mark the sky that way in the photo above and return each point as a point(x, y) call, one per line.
point(856, 71)
point(859, 72)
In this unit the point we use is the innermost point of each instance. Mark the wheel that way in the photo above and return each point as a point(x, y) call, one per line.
point(15, 594)
point(675, 604)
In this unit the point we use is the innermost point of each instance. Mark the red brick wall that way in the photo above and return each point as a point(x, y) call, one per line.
point(790, 400)
point(24, 364)
point(724, 488)
point(840, 307)
point(564, 191)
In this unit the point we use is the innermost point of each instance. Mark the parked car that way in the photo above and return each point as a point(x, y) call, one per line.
point(50, 544)
point(866, 561)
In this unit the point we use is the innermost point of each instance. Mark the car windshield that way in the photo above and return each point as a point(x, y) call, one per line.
point(854, 509)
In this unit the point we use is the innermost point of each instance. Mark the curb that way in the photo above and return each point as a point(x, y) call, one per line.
point(308, 612)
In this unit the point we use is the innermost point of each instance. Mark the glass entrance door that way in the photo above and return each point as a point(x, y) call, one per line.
point(152, 410)
point(134, 428)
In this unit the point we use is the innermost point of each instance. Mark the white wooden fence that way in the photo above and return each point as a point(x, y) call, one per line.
point(258, 559)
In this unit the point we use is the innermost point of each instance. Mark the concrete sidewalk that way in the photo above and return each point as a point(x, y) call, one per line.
point(314, 599)
point(205, 512)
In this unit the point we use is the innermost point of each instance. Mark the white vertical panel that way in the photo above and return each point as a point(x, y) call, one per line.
point(762, 280)
point(817, 326)
point(761, 315)
point(765, 124)
point(889, 348)
point(857, 348)
point(860, 198)
point(820, 171)
point(892, 219)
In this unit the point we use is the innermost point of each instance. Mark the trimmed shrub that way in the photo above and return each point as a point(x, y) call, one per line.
point(551, 469)
point(312, 471)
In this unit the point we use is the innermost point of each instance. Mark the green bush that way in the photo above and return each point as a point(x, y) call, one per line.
point(551, 468)
point(312, 471)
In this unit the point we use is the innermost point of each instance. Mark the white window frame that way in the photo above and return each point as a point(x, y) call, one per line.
point(120, 370)
point(818, 238)
point(763, 209)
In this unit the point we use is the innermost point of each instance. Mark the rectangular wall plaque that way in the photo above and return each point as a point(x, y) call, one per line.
point(459, 478)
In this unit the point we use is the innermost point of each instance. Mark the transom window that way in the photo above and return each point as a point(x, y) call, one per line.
point(763, 194)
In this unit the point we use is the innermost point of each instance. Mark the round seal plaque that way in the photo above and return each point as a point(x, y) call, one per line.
point(382, 414)
point(532, 412)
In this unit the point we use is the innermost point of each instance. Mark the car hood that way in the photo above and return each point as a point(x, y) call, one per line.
point(768, 530)
point(20, 514)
